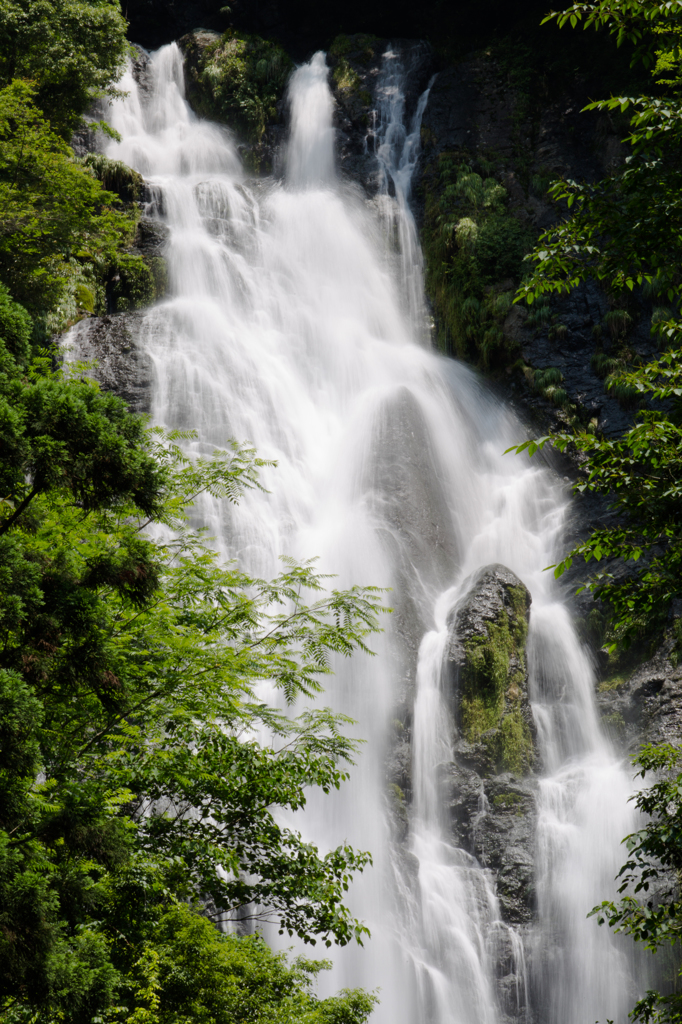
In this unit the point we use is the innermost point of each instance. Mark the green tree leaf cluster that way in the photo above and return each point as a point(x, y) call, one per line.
point(72, 50)
point(626, 232)
point(139, 768)
point(55, 217)
point(653, 868)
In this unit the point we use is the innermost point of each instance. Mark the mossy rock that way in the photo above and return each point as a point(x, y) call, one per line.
point(355, 61)
point(135, 282)
point(236, 78)
point(115, 176)
point(487, 654)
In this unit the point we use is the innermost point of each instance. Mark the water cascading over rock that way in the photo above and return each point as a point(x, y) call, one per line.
point(294, 319)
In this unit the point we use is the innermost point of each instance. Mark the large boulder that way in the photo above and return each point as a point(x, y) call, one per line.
point(240, 80)
point(121, 364)
point(488, 674)
point(490, 791)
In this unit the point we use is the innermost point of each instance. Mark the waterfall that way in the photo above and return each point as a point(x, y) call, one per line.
point(295, 320)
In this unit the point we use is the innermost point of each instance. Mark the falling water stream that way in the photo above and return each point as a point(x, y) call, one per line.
point(295, 319)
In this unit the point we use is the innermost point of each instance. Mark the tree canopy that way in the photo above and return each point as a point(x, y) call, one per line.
point(72, 50)
point(626, 232)
point(132, 780)
point(57, 222)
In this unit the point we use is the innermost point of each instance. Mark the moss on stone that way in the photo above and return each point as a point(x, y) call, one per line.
point(361, 45)
point(507, 801)
point(513, 746)
point(345, 77)
point(238, 79)
point(612, 682)
point(492, 683)
point(115, 176)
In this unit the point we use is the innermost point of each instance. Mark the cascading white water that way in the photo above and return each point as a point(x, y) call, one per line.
point(288, 324)
point(397, 147)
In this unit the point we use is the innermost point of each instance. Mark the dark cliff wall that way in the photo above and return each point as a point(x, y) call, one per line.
point(306, 25)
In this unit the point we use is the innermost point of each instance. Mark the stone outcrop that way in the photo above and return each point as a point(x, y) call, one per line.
point(488, 674)
point(356, 63)
point(121, 364)
point(646, 706)
point(240, 81)
point(490, 793)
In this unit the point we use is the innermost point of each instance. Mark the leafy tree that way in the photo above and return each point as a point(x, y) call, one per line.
point(130, 771)
point(626, 232)
point(72, 50)
point(653, 868)
point(55, 217)
point(190, 971)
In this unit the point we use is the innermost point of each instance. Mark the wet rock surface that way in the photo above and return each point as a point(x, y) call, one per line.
point(646, 706)
point(151, 237)
point(492, 812)
point(356, 64)
point(121, 364)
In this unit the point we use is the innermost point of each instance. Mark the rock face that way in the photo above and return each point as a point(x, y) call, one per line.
point(647, 706)
point(476, 117)
point(488, 672)
point(122, 366)
point(356, 64)
point(491, 795)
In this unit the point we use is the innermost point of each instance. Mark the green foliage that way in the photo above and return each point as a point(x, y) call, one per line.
point(626, 232)
point(654, 859)
point(54, 212)
point(473, 247)
point(71, 49)
point(137, 806)
point(362, 46)
point(130, 775)
point(133, 282)
point(540, 314)
point(345, 77)
point(507, 801)
point(15, 327)
point(190, 971)
point(490, 691)
point(240, 80)
point(501, 246)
